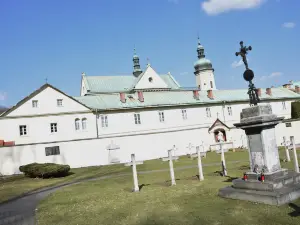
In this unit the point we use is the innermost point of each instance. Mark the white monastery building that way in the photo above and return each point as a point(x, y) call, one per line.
point(144, 113)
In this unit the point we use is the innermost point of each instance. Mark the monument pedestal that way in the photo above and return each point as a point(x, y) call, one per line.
point(280, 185)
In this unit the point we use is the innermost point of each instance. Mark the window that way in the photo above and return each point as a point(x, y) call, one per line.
point(184, 114)
point(59, 102)
point(288, 124)
point(283, 106)
point(208, 113)
point(83, 123)
point(211, 84)
point(137, 118)
point(52, 150)
point(23, 130)
point(104, 121)
point(34, 104)
point(161, 116)
point(53, 127)
point(229, 110)
point(77, 124)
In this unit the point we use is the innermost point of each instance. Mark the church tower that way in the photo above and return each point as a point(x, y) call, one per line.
point(204, 72)
point(136, 65)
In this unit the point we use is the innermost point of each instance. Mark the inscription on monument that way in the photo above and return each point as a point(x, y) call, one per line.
point(255, 143)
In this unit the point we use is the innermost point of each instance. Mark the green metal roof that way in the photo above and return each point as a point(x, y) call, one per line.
point(203, 62)
point(101, 84)
point(169, 98)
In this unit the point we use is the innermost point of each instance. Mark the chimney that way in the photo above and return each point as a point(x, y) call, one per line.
point(269, 91)
point(259, 92)
point(196, 94)
point(210, 94)
point(9, 143)
point(297, 89)
point(122, 97)
point(141, 96)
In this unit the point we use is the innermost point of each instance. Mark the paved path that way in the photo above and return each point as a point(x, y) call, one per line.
point(21, 211)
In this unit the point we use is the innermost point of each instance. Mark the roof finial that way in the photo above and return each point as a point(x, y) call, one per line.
point(46, 80)
point(83, 74)
point(148, 61)
point(198, 39)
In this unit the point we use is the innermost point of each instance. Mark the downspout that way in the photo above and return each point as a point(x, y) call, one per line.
point(223, 111)
point(97, 123)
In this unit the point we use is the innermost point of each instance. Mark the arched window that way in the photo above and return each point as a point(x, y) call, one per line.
point(77, 124)
point(83, 123)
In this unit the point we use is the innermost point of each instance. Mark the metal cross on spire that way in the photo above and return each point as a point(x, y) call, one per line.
point(243, 52)
point(248, 74)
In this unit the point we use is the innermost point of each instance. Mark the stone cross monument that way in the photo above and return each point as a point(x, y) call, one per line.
point(267, 182)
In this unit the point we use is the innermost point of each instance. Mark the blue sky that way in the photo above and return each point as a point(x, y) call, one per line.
point(58, 40)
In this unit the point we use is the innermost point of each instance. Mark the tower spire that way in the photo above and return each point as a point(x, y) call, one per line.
point(200, 50)
point(136, 64)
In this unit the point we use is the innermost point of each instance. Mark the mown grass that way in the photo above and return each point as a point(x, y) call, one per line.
point(190, 202)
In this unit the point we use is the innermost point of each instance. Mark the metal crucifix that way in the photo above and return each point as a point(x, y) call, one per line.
point(243, 52)
point(248, 74)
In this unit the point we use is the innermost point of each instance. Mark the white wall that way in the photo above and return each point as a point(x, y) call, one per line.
point(38, 128)
point(47, 104)
point(94, 152)
point(203, 80)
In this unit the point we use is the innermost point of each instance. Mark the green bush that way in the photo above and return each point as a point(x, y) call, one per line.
point(45, 170)
point(295, 110)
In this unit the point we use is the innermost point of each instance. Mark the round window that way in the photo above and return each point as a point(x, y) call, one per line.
point(150, 79)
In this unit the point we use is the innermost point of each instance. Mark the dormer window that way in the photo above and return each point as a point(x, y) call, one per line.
point(150, 79)
point(34, 104)
point(59, 102)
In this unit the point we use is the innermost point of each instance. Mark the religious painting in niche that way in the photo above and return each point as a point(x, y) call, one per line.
point(220, 135)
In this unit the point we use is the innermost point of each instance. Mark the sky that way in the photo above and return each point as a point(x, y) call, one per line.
point(58, 40)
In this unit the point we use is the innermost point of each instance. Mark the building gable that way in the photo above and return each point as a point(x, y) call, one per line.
point(46, 100)
point(150, 80)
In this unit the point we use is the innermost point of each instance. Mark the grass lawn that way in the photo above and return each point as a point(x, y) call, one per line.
point(18, 185)
point(189, 202)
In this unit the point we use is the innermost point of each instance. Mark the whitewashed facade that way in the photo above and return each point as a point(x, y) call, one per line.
point(117, 116)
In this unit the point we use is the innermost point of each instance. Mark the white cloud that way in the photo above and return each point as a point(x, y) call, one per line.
point(236, 64)
point(214, 7)
point(272, 75)
point(3, 96)
point(289, 25)
point(174, 1)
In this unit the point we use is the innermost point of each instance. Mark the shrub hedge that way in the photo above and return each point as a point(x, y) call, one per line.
point(45, 170)
point(295, 110)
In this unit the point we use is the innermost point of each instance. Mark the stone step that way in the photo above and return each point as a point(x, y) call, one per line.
point(276, 197)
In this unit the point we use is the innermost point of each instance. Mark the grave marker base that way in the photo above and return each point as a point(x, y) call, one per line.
point(279, 191)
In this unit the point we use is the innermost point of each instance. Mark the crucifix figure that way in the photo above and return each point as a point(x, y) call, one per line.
point(243, 52)
point(170, 159)
point(248, 74)
point(133, 163)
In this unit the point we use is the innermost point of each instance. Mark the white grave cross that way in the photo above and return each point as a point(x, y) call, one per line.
point(112, 147)
point(295, 154)
point(190, 146)
point(286, 145)
point(170, 159)
point(223, 158)
point(133, 163)
point(199, 155)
